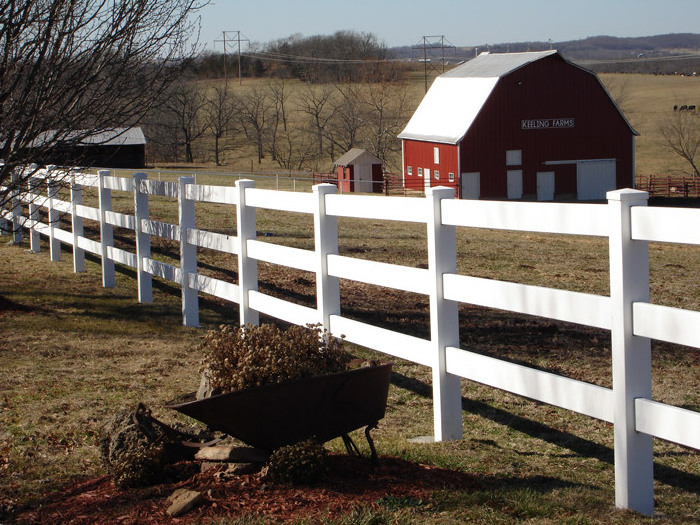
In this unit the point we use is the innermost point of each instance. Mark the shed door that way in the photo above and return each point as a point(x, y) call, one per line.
point(471, 185)
point(545, 185)
point(515, 184)
point(594, 178)
point(426, 174)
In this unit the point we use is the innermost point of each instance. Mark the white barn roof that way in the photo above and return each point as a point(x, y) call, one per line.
point(454, 100)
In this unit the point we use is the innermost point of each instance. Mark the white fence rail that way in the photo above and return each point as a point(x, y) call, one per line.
point(627, 313)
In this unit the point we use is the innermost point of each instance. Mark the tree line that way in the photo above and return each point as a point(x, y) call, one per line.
point(344, 56)
point(296, 126)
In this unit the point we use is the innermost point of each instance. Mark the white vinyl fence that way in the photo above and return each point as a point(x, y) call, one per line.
point(625, 220)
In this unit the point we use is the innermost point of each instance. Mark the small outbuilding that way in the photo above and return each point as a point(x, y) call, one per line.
point(519, 126)
point(359, 171)
point(114, 148)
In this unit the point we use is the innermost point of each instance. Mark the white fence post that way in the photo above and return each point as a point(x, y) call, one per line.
point(106, 231)
point(247, 267)
point(54, 214)
point(34, 214)
point(631, 355)
point(444, 317)
point(188, 255)
point(143, 240)
point(326, 242)
point(16, 205)
point(76, 199)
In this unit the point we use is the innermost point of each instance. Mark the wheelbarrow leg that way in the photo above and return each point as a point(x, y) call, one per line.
point(350, 446)
point(374, 456)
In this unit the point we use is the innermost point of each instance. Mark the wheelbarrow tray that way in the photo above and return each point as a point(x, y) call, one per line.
point(271, 416)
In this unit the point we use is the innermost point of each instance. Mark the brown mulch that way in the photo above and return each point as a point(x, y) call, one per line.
point(349, 482)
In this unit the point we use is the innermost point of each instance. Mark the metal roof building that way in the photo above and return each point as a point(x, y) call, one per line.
point(519, 126)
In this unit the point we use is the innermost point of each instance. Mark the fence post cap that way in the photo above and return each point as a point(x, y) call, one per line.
point(627, 195)
point(440, 191)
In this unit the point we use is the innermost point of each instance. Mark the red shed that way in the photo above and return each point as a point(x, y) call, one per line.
point(519, 126)
point(360, 171)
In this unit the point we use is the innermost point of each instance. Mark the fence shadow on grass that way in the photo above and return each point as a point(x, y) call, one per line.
point(580, 446)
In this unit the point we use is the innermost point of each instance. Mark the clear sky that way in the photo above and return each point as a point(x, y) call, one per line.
point(462, 22)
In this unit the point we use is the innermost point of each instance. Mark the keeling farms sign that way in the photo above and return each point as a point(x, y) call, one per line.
point(547, 123)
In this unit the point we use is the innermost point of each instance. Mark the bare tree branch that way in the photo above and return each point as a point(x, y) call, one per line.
point(681, 133)
point(70, 69)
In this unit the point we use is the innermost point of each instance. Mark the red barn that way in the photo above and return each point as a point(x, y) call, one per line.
point(519, 126)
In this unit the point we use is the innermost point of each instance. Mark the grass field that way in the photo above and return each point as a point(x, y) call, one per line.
point(74, 353)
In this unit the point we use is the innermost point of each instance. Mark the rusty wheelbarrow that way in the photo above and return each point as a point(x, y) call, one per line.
point(275, 415)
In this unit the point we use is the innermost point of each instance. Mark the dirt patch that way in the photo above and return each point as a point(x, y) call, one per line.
point(349, 482)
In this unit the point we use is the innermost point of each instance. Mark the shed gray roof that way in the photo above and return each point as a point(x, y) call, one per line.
point(353, 155)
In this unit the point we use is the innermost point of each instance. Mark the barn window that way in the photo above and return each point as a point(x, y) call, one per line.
point(451, 177)
point(420, 172)
point(514, 157)
point(436, 155)
point(409, 170)
point(437, 175)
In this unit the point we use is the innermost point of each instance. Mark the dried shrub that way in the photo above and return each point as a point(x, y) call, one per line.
point(133, 448)
point(236, 358)
point(301, 463)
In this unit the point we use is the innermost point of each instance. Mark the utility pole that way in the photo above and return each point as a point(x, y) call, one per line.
point(433, 42)
point(228, 38)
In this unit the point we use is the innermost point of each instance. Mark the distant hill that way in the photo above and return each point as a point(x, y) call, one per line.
point(666, 54)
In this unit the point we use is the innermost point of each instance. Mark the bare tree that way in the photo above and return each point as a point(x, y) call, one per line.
point(254, 110)
point(316, 102)
point(70, 69)
point(349, 119)
point(388, 112)
point(219, 114)
point(186, 104)
point(681, 133)
point(293, 149)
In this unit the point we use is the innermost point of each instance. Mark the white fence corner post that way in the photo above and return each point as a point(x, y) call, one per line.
point(631, 355)
point(326, 242)
point(76, 199)
point(247, 266)
point(106, 231)
point(188, 255)
point(444, 317)
point(143, 240)
point(54, 215)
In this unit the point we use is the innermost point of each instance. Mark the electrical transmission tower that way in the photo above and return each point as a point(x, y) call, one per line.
point(232, 38)
point(433, 43)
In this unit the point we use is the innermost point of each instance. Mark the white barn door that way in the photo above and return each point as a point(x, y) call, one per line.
point(545, 185)
point(594, 178)
point(515, 184)
point(471, 185)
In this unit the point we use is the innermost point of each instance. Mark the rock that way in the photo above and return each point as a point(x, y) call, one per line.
point(183, 500)
point(232, 454)
point(238, 469)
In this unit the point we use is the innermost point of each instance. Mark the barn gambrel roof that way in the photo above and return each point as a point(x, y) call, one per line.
point(445, 114)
